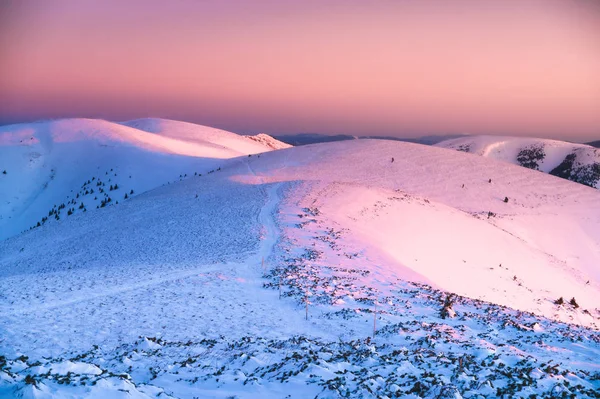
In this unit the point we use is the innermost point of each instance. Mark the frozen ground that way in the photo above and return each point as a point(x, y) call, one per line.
point(420, 281)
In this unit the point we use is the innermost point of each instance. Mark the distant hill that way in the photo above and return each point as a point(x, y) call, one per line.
point(576, 162)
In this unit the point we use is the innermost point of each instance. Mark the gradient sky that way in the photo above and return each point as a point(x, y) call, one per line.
point(398, 67)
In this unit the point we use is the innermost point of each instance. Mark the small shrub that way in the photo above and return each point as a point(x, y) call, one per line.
point(559, 301)
point(574, 303)
point(30, 380)
point(447, 310)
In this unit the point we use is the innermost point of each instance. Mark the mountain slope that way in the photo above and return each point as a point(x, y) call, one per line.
point(206, 136)
point(576, 162)
point(429, 208)
point(68, 166)
point(268, 278)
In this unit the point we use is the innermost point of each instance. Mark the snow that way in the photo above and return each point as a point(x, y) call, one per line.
point(205, 136)
point(417, 212)
point(199, 288)
point(49, 163)
point(548, 155)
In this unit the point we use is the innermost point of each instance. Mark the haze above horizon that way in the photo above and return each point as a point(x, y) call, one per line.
point(397, 68)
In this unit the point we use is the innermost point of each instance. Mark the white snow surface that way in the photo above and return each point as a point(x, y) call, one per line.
point(47, 163)
point(507, 149)
point(200, 288)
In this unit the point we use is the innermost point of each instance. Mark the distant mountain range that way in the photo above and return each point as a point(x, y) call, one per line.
point(313, 138)
point(594, 143)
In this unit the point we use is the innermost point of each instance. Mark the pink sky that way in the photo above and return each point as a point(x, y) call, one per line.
point(398, 67)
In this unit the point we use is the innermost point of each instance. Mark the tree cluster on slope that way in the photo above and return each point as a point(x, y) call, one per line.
point(530, 157)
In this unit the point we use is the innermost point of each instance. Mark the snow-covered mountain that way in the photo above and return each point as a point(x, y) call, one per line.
point(362, 268)
point(576, 162)
point(206, 137)
point(49, 170)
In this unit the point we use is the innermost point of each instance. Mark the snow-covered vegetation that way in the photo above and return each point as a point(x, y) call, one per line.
point(360, 268)
point(576, 162)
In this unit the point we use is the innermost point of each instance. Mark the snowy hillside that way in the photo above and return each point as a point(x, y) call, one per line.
point(207, 136)
point(50, 170)
point(577, 162)
point(360, 268)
